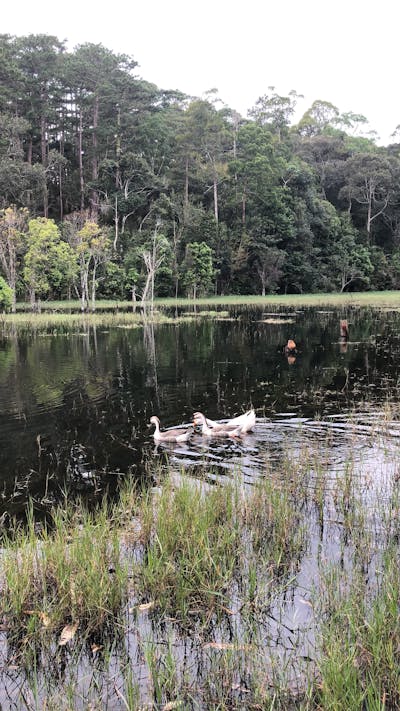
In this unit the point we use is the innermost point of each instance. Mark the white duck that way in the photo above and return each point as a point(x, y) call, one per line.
point(246, 421)
point(222, 430)
point(173, 435)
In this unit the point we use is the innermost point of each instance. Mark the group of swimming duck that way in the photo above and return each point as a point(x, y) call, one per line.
point(233, 428)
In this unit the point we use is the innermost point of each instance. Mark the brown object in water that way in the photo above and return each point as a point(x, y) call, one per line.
point(290, 346)
point(344, 328)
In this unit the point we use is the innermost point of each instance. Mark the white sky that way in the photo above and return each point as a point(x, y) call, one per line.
point(345, 52)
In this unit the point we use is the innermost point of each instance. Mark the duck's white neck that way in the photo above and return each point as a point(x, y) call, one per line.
point(205, 425)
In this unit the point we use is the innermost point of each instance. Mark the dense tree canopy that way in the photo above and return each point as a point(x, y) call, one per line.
point(110, 185)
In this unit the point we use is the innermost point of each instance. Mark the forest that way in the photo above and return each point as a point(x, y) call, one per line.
point(113, 187)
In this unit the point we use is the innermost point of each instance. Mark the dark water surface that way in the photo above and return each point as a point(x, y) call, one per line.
point(75, 406)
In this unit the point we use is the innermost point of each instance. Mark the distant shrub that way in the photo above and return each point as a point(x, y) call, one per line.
point(6, 295)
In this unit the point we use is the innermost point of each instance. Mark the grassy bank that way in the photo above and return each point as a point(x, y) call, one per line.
point(370, 298)
point(58, 315)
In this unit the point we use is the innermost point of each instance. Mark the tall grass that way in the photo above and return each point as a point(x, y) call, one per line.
point(192, 548)
point(201, 576)
point(69, 573)
point(202, 539)
point(60, 314)
point(274, 523)
point(359, 666)
point(381, 298)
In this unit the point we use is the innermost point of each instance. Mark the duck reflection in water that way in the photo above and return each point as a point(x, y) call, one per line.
point(344, 335)
point(344, 329)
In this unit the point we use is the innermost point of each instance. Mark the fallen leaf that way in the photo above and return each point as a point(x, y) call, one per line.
point(67, 634)
point(46, 621)
point(226, 645)
point(146, 606)
point(237, 687)
point(96, 648)
point(227, 610)
point(305, 602)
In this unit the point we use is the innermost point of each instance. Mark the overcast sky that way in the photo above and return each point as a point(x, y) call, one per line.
point(345, 52)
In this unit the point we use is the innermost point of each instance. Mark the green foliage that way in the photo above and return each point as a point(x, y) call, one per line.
point(264, 195)
point(198, 268)
point(113, 283)
point(49, 263)
point(43, 235)
point(6, 295)
point(350, 261)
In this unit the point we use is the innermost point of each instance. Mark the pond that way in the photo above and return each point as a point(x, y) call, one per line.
point(75, 406)
point(74, 415)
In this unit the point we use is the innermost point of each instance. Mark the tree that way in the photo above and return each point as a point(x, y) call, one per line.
point(204, 140)
point(38, 62)
point(13, 231)
point(321, 117)
point(350, 261)
point(11, 77)
point(153, 257)
point(369, 183)
point(99, 82)
point(6, 295)
point(64, 268)
point(92, 248)
point(352, 121)
point(198, 268)
point(275, 111)
point(21, 183)
point(268, 264)
point(46, 259)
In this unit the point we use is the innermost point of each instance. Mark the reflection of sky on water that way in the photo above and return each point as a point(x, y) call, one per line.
point(367, 439)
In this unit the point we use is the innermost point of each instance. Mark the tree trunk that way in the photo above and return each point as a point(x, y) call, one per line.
point(94, 288)
point(43, 142)
point(186, 195)
point(80, 159)
point(243, 209)
point(43, 151)
point(216, 199)
point(118, 150)
point(60, 173)
point(116, 222)
point(13, 283)
point(369, 220)
point(95, 160)
point(84, 287)
point(60, 193)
